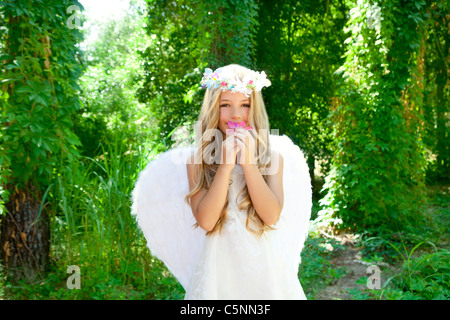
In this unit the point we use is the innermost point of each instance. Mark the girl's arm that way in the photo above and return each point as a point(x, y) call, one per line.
point(207, 205)
point(267, 198)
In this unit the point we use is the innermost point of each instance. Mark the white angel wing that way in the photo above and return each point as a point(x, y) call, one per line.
point(293, 224)
point(165, 219)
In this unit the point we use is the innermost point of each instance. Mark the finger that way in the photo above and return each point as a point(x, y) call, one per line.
point(229, 132)
point(230, 137)
point(240, 138)
point(240, 144)
point(243, 155)
point(240, 135)
point(245, 133)
point(230, 153)
point(244, 139)
point(231, 140)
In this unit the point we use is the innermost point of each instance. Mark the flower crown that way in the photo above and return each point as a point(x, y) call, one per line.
point(215, 80)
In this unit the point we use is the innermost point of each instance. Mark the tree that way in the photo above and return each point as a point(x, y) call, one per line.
point(39, 67)
point(437, 93)
point(377, 175)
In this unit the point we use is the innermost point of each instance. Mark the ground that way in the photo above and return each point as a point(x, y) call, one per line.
point(355, 269)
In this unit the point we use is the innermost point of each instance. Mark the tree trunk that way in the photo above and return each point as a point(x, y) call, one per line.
point(24, 235)
point(311, 164)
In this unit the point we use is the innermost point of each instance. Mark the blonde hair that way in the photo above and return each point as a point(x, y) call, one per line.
point(209, 119)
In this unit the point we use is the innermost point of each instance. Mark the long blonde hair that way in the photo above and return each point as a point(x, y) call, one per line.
point(209, 119)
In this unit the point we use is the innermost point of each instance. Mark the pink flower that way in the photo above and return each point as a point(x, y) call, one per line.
point(250, 82)
point(223, 83)
point(242, 124)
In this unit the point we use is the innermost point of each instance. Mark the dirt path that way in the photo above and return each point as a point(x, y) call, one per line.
point(355, 268)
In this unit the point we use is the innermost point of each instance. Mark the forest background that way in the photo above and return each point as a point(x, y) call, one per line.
point(362, 87)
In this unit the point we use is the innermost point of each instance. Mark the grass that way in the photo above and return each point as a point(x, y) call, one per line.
point(92, 228)
point(424, 277)
point(317, 270)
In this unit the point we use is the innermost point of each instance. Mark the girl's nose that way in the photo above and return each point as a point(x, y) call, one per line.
point(236, 115)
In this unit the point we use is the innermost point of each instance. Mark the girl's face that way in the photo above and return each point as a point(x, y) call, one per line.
point(233, 107)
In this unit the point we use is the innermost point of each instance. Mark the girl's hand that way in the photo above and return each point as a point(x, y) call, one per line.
point(246, 143)
point(229, 152)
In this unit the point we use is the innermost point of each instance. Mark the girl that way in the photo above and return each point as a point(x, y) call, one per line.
point(247, 194)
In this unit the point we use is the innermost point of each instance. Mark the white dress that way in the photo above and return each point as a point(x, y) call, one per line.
point(233, 264)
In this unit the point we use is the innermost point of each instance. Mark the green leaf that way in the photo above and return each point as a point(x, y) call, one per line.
point(24, 89)
point(11, 66)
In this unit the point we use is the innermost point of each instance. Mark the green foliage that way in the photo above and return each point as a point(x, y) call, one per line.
point(437, 93)
point(39, 63)
point(316, 271)
point(424, 276)
point(377, 177)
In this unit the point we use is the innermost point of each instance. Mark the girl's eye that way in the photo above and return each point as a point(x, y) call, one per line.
point(227, 105)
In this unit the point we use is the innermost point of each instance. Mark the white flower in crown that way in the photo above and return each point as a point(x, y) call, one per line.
point(261, 81)
point(214, 80)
